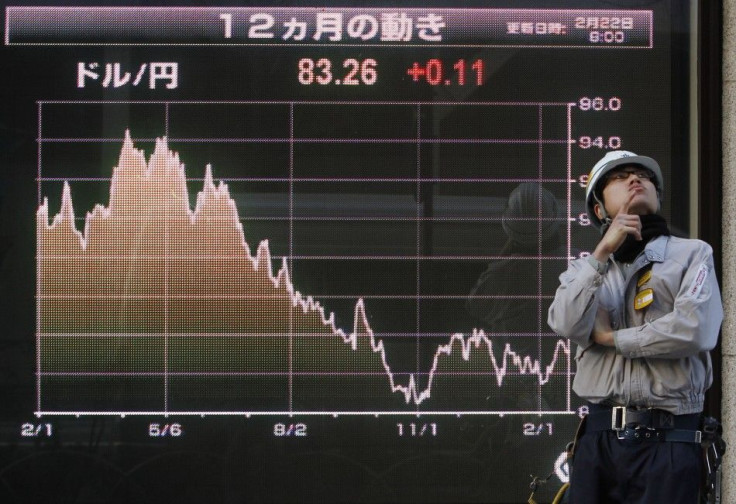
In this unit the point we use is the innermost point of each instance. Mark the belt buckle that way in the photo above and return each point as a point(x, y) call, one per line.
point(618, 418)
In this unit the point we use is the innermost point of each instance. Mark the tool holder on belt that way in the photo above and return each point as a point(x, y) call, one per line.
point(713, 447)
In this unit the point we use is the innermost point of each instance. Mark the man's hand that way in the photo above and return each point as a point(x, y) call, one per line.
point(602, 330)
point(622, 225)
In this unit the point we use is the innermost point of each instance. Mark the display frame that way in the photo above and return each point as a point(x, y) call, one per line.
point(706, 75)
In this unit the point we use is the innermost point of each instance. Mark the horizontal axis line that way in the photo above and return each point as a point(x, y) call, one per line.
point(283, 334)
point(65, 296)
point(297, 140)
point(347, 219)
point(145, 374)
point(408, 180)
point(307, 102)
point(290, 413)
point(198, 257)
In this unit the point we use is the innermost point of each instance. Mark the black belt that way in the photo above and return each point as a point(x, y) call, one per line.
point(644, 424)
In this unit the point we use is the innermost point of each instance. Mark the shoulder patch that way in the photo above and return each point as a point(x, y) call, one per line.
point(699, 281)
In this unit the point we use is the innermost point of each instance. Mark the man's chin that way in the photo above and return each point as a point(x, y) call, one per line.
point(640, 205)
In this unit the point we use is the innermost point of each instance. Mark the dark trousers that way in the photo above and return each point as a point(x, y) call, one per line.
point(609, 470)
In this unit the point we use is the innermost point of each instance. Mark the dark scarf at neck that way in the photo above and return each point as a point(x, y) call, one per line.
point(651, 227)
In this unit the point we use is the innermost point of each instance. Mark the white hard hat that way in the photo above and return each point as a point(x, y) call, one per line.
point(610, 161)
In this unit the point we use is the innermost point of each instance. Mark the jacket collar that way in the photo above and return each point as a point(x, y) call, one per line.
point(656, 248)
point(654, 251)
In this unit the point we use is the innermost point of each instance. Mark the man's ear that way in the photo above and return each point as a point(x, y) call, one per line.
point(597, 210)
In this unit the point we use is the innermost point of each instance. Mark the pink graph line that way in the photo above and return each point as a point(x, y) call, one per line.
point(165, 163)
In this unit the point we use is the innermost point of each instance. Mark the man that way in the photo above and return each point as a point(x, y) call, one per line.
point(644, 309)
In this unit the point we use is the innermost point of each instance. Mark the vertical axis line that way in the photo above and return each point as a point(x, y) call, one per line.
point(8, 11)
point(569, 235)
point(39, 142)
point(291, 253)
point(419, 245)
point(166, 120)
point(166, 309)
point(39, 256)
point(539, 256)
point(166, 282)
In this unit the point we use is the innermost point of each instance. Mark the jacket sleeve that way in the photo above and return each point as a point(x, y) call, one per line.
point(693, 324)
point(573, 310)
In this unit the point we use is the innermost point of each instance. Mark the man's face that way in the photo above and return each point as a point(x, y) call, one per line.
point(633, 184)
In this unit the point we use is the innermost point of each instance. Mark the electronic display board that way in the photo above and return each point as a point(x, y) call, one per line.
point(288, 251)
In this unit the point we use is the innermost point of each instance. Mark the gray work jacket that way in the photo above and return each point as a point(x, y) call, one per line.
point(661, 356)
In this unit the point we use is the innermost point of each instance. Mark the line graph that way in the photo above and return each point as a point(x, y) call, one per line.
point(152, 303)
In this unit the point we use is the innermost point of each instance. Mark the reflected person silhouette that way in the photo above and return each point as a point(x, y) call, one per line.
point(510, 297)
point(506, 298)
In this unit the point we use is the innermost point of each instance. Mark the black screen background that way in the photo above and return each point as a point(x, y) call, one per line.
point(483, 458)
